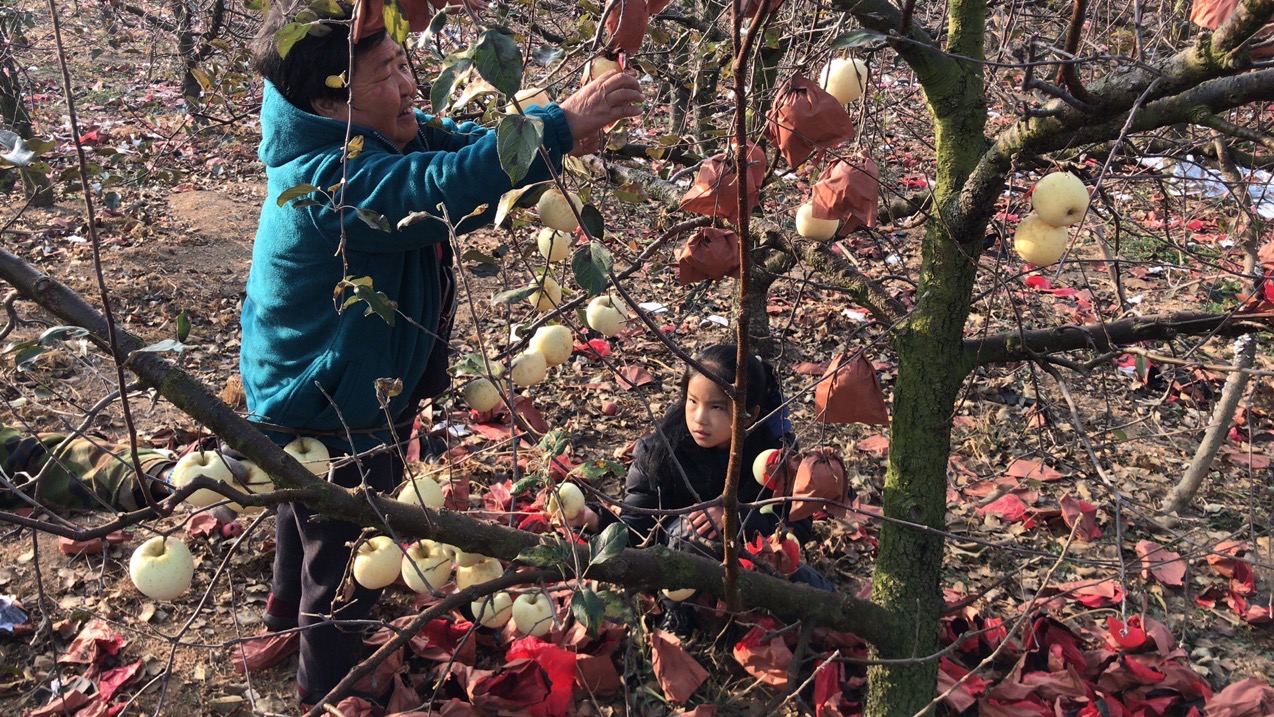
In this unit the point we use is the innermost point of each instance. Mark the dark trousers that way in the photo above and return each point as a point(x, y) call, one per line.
point(310, 559)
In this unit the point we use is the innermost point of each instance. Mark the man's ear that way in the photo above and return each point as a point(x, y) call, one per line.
point(330, 107)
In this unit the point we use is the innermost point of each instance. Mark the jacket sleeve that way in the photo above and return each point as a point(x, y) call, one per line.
point(460, 170)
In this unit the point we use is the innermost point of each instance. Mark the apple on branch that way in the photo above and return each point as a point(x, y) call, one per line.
point(528, 368)
point(1038, 242)
point(493, 611)
point(555, 212)
point(567, 502)
point(255, 481)
point(599, 66)
point(484, 570)
point(679, 595)
point(378, 562)
point(426, 566)
point(422, 491)
point(1060, 198)
point(603, 316)
point(212, 464)
point(554, 245)
point(481, 394)
point(811, 227)
point(528, 98)
point(844, 79)
point(556, 343)
point(533, 614)
point(311, 453)
point(162, 568)
point(547, 295)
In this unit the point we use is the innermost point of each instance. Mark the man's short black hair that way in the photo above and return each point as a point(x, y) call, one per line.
point(302, 75)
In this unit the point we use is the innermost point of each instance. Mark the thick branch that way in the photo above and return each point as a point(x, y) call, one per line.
point(651, 568)
point(1023, 345)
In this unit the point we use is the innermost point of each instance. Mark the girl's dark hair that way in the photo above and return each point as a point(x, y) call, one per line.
point(764, 393)
point(301, 75)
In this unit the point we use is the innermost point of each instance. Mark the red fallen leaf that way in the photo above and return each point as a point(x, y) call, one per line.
point(1125, 637)
point(498, 497)
point(520, 683)
point(265, 651)
point(1051, 686)
point(1166, 566)
point(94, 546)
point(1008, 506)
point(66, 704)
point(355, 707)
point(633, 376)
point(828, 692)
point(1027, 469)
point(558, 666)
point(98, 707)
point(535, 523)
point(877, 444)
point(1074, 510)
point(440, 640)
point(596, 674)
point(678, 673)
point(808, 368)
point(964, 696)
point(203, 525)
point(1139, 706)
point(1141, 671)
point(94, 644)
point(1056, 647)
point(594, 348)
point(492, 431)
point(1035, 281)
point(111, 680)
point(1100, 593)
point(1016, 708)
point(1246, 459)
point(763, 654)
point(453, 707)
point(782, 554)
point(404, 697)
point(455, 491)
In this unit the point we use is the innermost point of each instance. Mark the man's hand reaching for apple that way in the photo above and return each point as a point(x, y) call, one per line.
point(604, 100)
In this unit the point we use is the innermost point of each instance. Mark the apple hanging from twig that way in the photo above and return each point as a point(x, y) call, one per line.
point(426, 566)
point(378, 562)
point(162, 568)
point(494, 610)
point(212, 464)
point(533, 614)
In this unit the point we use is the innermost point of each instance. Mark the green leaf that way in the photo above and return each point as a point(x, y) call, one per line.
point(162, 346)
point(517, 140)
point(22, 359)
point(58, 334)
point(377, 302)
point(593, 471)
point(375, 220)
point(512, 199)
point(440, 92)
point(591, 219)
point(592, 264)
point(856, 38)
point(528, 483)
point(288, 35)
point(554, 443)
point(513, 296)
point(396, 23)
point(327, 8)
point(291, 193)
point(617, 610)
point(415, 217)
point(609, 544)
point(588, 609)
point(183, 326)
point(471, 365)
point(498, 61)
point(545, 555)
point(546, 55)
point(436, 23)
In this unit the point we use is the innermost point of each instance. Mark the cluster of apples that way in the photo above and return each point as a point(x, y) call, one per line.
point(1060, 200)
point(845, 79)
point(162, 568)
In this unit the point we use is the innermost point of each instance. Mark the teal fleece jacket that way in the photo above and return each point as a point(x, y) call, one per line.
point(294, 340)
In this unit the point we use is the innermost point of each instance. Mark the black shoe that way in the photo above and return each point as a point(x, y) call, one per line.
point(679, 618)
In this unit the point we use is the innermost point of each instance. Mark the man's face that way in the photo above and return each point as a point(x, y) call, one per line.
point(382, 93)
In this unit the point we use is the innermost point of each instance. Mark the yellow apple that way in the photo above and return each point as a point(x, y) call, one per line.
point(257, 481)
point(311, 453)
point(603, 316)
point(1060, 198)
point(528, 369)
point(568, 501)
point(556, 213)
point(555, 342)
point(547, 296)
point(1038, 242)
point(679, 595)
point(494, 610)
point(483, 571)
point(466, 560)
point(481, 394)
point(553, 244)
point(378, 562)
point(598, 67)
point(426, 566)
point(212, 464)
point(421, 491)
point(844, 79)
point(533, 614)
point(811, 227)
point(765, 464)
point(528, 98)
point(162, 568)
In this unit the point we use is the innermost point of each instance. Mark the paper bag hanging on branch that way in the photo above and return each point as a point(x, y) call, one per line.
point(715, 191)
point(626, 25)
point(848, 190)
point(369, 15)
point(762, 7)
point(711, 254)
point(806, 118)
point(850, 393)
point(821, 474)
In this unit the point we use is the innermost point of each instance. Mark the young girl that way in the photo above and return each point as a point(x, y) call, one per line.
point(697, 429)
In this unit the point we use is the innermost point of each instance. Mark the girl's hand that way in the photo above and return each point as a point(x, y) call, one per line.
point(586, 519)
point(706, 523)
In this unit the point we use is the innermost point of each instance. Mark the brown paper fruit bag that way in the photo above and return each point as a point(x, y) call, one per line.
point(806, 118)
point(850, 393)
point(710, 254)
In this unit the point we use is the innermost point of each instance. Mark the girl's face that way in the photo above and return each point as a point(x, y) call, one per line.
point(709, 412)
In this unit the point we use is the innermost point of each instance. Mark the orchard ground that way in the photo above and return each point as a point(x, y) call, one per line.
point(180, 240)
